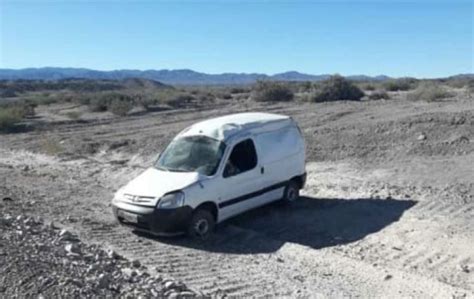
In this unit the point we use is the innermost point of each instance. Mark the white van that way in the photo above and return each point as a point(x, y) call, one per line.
point(214, 170)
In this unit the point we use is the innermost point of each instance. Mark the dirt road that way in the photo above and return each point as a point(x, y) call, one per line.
point(387, 211)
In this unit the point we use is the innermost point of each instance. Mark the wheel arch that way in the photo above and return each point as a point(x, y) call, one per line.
point(300, 180)
point(211, 207)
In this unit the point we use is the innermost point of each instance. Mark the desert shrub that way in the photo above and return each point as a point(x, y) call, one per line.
point(120, 106)
point(379, 95)
point(206, 98)
point(402, 84)
point(235, 90)
point(338, 88)
point(430, 92)
point(97, 104)
point(267, 91)
point(458, 81)
point(226, 96)
point(48, 99)
point(51, 147)
point(74, 115)
point(9, 118)
point(7, 93)
point(368, 86)
point(82, 99)
point(305, 97)
point(104, 101)
point(470, 87)
point(179, 100)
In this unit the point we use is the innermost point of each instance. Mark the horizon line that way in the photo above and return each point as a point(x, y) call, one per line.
point(239, 73)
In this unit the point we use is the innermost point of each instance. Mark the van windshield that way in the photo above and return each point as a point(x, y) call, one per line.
point(192, 154)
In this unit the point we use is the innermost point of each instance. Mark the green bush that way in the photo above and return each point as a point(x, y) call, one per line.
point(226, 96)
point(7, 93)
point(429, 93)
point(206, 98)
point(10, 117)
point(470, 87)
point(267, 91)
point(379, 95)
point(98, 104)
point(338, 88)
point(74, 115)
point(119, 106)
point(101, 102)
point(235, 90)
point(180, 100)
point(368, 86)
point(403, 84)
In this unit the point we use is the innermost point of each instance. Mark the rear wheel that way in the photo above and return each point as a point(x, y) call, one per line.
point(291, 193)
point(202, 224)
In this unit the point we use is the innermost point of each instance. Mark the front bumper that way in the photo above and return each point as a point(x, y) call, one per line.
point(155, 221)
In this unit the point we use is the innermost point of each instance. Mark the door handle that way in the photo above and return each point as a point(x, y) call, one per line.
point(262, 170)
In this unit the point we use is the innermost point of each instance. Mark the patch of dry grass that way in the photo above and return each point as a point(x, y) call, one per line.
point(430, 92)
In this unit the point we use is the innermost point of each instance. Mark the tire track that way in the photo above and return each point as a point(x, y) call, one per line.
point(212, 273)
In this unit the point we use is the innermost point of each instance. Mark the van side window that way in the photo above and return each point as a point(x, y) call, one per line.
point(242, 158)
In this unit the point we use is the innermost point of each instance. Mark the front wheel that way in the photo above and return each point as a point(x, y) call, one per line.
point(291, 193)
point(202, 224)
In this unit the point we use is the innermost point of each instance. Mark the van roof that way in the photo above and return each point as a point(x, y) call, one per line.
point(224, 127)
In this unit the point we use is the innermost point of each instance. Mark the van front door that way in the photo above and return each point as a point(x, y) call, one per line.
point(241, 180)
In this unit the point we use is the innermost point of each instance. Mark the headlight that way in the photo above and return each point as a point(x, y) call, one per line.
point(171, 201)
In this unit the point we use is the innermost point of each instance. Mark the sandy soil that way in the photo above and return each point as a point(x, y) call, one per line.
point(388, 210)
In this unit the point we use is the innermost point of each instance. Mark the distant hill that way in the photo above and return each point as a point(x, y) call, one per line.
point(175, 77)
point(9, 88)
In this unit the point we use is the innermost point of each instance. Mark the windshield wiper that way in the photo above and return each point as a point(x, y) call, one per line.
point(161, 168)
point(178, 170)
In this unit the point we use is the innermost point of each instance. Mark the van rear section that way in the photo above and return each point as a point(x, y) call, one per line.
point(282, 154)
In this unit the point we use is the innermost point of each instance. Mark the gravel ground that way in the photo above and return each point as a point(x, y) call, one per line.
point(38, 259)
point(388, 210)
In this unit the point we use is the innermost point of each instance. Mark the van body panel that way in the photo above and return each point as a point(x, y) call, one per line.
point(225, 127)
point(154, 183)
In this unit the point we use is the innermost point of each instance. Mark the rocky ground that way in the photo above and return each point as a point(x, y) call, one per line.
point(42, 260)
point(388, 210)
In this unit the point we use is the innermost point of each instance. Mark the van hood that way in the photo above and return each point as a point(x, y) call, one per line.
point(156, 183)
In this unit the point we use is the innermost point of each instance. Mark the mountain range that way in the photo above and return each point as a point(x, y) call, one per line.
point(176, 77)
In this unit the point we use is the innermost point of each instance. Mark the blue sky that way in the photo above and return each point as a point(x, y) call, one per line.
point(417, 38)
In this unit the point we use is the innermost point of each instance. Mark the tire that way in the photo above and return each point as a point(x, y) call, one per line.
point(291, 192)
point(202, 224)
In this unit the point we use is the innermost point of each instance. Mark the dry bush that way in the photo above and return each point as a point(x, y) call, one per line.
point(180, 100)
point(430, 92)
point(9, 118)
point(51, 147)
point(459, 82)
point(103, 101)
point(206, 98)
point(267, 91)
point(7, 93)
point(226, 96)
point(120, 107)
point(12, 114)
point(402, 84)
point(74, 115)
point(379, 95)
point(235, 90)
point(470, 87)
point(368, 86)
point(97, 104)
point(338, 88)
